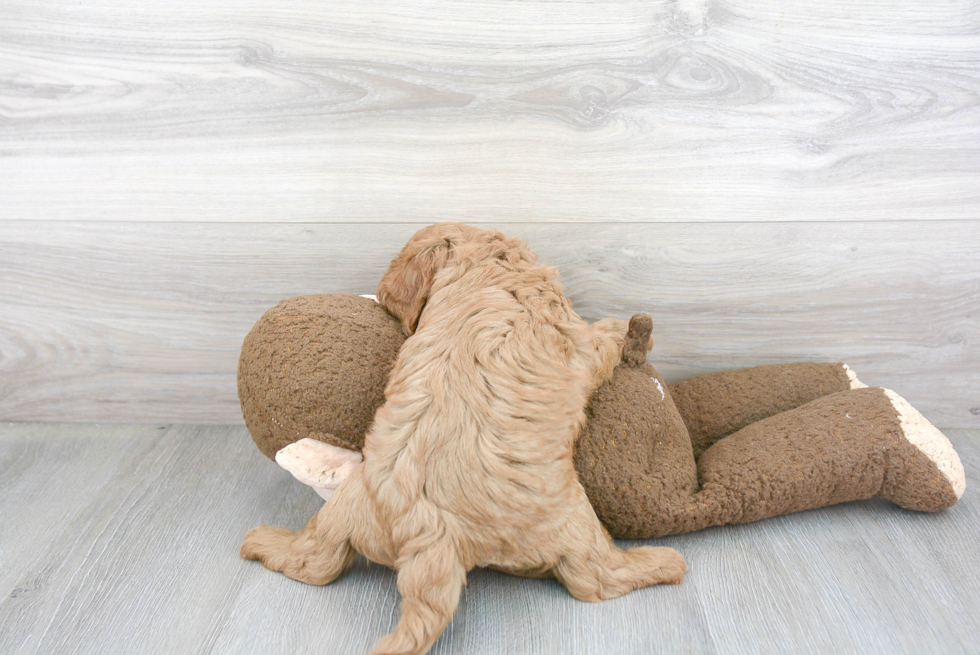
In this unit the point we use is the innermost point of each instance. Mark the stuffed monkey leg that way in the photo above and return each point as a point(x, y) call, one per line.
point(851, 445)
point(636, 463)
point(718, 404)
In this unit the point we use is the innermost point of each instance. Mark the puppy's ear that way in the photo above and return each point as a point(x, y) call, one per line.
point(405, 288)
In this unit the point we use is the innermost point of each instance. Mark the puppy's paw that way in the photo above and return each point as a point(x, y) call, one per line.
point(614, 329)
point(662, 565)
point(268, 544)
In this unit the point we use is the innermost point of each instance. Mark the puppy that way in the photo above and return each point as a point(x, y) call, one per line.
point(469, 461)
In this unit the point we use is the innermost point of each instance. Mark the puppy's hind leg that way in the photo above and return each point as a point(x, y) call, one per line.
point(319, 552)
point(430, 581)
point(592, 568)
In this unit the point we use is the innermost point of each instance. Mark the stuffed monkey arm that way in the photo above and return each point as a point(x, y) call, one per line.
point(319, 465)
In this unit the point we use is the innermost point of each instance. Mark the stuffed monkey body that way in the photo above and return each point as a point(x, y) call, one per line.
point(655, 459)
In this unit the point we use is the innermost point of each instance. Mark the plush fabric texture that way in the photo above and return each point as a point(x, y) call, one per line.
point(636, 460)
point(654, 459)
point(634, 456)
point(316, 366)
point(846, 446)
point(716, 405)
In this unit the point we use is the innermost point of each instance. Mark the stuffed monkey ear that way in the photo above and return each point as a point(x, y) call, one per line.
point(639, 340)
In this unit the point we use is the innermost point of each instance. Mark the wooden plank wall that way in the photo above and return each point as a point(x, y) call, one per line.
point(772, 181)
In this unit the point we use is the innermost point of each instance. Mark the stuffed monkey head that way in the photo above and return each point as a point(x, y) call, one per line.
point(316, 367)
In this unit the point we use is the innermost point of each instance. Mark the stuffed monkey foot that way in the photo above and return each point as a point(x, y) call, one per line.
point(934, 453)
point(851, 445)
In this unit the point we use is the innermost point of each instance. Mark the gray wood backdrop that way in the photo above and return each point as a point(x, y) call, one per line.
point(772, 181)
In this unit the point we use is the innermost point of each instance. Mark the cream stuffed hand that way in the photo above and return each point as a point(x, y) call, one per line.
point(319, 464)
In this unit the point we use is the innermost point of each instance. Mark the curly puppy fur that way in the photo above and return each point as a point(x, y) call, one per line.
point(469, 461)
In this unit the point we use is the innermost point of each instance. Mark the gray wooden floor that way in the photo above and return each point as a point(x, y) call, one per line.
point(124, 539)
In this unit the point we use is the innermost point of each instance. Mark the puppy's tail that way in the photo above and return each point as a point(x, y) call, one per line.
point(431, 576)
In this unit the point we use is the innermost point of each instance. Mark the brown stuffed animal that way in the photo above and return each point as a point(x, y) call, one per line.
point(743, 445)
point(655, 458)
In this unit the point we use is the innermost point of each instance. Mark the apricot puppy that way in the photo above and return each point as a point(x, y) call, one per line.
point(469, 460)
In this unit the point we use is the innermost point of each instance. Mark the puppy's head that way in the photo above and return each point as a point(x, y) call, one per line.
point(405, 288)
